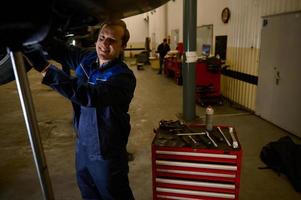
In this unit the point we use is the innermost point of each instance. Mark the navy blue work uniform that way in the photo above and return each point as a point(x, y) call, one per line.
point(100, 96)
point(162, 49)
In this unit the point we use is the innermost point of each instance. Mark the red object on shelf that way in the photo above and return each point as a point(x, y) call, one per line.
point(172, 68)
point(208, 81)
point(180, 48)
point(209, 173)
point(206, 77)
point(173, 64)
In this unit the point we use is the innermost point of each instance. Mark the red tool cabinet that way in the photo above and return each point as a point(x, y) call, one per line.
point(208, 81)
point(173, 68)
point(194, 173)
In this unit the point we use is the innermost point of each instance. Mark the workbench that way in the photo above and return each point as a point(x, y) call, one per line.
point(187, 168)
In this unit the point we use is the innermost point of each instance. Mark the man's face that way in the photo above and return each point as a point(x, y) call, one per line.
point(109, 43)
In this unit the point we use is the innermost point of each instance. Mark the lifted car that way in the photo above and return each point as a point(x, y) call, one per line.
point(31, 21)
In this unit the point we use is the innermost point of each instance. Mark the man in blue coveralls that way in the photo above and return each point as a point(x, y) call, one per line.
point(100, 92)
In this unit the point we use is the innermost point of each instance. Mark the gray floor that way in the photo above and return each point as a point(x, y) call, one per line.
point(156, 98)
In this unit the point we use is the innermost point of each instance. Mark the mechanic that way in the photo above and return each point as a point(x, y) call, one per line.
point(162, 49)
point(100, 92)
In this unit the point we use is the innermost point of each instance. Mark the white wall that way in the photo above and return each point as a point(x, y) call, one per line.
point(157, 24)
point(209, 12)
point(175, 17)
point(152, 24)
point(243, 31)
point(138, 28)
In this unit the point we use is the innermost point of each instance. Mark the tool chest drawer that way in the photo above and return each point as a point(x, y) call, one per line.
point(183, 169)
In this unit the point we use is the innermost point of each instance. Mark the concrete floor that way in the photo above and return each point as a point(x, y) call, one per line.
point(156, 98)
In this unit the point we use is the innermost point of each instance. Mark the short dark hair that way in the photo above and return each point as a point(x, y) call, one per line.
point(164, 40)
point(117, 22)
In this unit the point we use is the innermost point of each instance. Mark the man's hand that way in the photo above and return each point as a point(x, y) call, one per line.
point(34, 53)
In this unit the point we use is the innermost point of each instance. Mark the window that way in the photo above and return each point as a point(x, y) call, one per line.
point(204, 40)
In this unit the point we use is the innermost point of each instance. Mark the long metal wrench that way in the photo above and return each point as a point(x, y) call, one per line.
point(188, 134)
point(234, 141)
point(191, 134)
point(193, 140)
point(200, 134)
point(227, 141)
point(213, 142)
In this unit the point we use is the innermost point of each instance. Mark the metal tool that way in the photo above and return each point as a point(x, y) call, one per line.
point(203, 138)
point(190, 140)
point(187, 140)
point(213, 142)
point(200, 133)
point(193, 140)
point(222, 133)
point(170, 125)
point(216, 136)
point(234, 141)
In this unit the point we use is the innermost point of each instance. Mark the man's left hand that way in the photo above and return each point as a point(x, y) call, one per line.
point(34, 53)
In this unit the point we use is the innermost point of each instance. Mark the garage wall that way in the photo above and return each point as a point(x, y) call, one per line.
point(244, 30)
point(209, 12)
point(152, 24)
point(137, 35)
point(175, 17)
point(158, 25)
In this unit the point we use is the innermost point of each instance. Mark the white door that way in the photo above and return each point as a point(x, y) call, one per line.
point(279, 88)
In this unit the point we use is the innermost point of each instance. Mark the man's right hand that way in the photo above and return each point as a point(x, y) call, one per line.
point(34, 53)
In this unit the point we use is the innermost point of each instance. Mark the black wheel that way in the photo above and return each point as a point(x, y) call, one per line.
point(6, 68)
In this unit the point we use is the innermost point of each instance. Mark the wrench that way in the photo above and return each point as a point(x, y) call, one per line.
point(203, 137)
point(227, 141)
point(234, 141)
point(211, 139)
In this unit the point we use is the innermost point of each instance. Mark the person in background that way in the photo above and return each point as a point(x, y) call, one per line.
point(162, 49)
point(100, 92)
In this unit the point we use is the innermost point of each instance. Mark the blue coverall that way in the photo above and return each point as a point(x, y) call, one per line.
point(100, 97)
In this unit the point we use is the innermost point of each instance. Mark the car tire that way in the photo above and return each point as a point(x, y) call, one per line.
point(6, 69)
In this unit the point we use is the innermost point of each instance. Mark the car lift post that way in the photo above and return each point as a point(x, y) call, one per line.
point(190, 59)
point(31, 123)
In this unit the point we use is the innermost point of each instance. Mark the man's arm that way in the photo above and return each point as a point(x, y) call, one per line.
point(118, 90)
point(67, 55)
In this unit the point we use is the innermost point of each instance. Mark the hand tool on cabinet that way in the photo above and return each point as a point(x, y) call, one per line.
point(193, 140)
point(170, 124)
point(222, 133)
point(187, 139)
point(234, 141)
point(216, 136)
point(210, 138)
point(202, 137)
point(199, 133)
point(190, 140)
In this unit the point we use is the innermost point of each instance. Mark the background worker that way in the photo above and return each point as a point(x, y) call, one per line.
point(100, 92)
point(162, 49)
